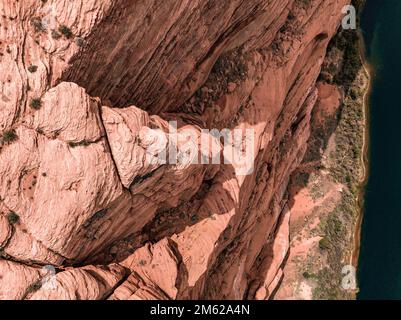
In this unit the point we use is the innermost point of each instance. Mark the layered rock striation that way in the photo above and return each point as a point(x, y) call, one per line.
point(84, 87)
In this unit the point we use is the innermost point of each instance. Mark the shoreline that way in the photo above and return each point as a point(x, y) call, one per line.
point(354, 258)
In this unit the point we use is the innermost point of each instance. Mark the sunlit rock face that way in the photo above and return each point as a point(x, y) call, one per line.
point(84, 85)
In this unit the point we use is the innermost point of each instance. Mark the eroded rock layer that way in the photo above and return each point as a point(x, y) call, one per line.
point(85, 84)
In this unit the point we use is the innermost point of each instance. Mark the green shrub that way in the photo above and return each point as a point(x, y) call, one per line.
point(65, 31)
point(73, 144)
point(35, 103)
point(32, 68)
point(34, 287)
point(38, 25)
point(55, 35)
point(9, 136)
point(12, 217)
point(324, 244)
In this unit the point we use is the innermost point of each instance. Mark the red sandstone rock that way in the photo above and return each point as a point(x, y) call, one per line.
point(80, 172)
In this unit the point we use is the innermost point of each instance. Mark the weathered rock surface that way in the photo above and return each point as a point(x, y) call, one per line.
point(86, 283)
point(87, 86)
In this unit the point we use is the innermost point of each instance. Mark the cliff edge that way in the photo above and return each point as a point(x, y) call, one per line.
point(86, 85)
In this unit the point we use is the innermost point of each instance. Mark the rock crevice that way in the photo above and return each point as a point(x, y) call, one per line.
point(81, 169)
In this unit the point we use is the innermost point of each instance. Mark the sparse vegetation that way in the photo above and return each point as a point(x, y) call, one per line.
point(35, 103)
point(335, 242)
point(55, 35)
point(12, 217)
point(316, 191)
point(308, 275)
point(4, 255)
point(300, 179)
point(349, 144)
point(9, 136)
point(342, 67)
point(38, 24)
point(230, 68)
point(139, 179)
point(65, 31)
point(74, 144)
point(346, 41)
point(324, 244)
point(142, 263)
point(32, 68)
point(95, 217)
point(328, 286)
point(34, 287)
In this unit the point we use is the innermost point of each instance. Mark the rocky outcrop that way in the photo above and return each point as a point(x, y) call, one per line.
point(88, 90)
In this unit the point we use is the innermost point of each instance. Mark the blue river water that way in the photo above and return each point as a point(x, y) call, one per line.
point(379, 268)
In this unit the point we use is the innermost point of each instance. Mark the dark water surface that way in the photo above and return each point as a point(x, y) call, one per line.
point(379, 270)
